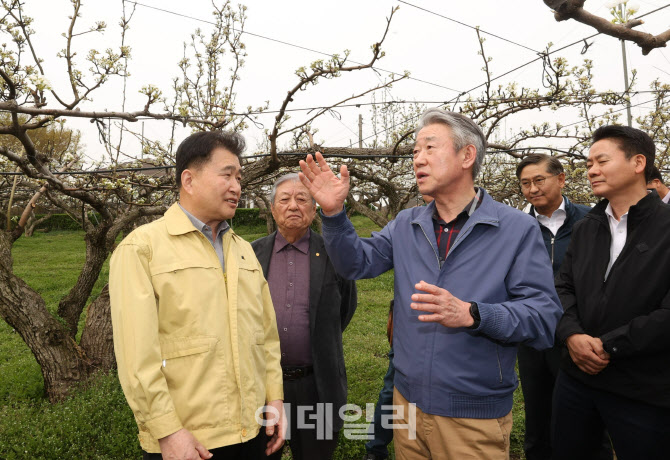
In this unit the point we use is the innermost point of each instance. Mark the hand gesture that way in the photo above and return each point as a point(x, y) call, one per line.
point(182, 445)
point(587, 353)
point(327, 189)
point(445, 308)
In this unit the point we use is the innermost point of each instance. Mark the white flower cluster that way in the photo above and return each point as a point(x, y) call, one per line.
point(40, 82)
point(632, 7)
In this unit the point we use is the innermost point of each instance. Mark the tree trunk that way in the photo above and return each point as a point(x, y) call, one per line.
point(375, 217)
point(265, 213)
point(72, 305)
point(97, 340)
point(61, 360)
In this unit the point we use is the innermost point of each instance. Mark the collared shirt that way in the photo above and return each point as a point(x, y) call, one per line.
point(288, 277)
point(447, 232)
point(555, 221)
point(207, 231)
point(619, 231)
point(666, 198)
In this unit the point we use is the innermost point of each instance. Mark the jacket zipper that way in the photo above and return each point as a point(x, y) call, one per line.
point(458, 240)
point(437, 257)
point(499, 365)
point(552, 250)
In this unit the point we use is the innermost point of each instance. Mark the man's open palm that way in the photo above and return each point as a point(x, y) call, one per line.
point(327, 189)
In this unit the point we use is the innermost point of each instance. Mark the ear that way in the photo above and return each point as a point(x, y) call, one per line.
point(469, 156)
point(187, 180)
point(561, 179)
point(640, 163)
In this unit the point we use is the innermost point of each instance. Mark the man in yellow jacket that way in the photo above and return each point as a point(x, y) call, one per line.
point(195, 333)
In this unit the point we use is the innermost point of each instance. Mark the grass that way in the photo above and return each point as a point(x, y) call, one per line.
point(96, 422)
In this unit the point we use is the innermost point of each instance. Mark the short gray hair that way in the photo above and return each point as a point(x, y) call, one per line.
point(464, 132)
point(293, 177)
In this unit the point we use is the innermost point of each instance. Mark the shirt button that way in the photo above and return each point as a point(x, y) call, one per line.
point(446, 229)
point(614, 349)
point(283, 354)
point(290, 263)
point(288, 305)
point(290, 284)
point(244, 431)
point(285, 329)
point(620, 231)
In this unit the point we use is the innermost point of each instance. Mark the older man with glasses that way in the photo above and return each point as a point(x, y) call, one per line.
point(542, 179)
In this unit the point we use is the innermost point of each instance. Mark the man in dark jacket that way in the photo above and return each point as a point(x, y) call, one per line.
point(313, 305)
point(542, 179)
point(615, 291)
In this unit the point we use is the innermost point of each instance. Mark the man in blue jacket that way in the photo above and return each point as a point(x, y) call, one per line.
point(472, 280)
point(542, 179)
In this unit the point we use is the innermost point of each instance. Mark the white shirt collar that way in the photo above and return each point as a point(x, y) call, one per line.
point(555, 221)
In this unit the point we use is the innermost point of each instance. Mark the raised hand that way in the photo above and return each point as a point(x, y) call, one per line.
point(327, 189)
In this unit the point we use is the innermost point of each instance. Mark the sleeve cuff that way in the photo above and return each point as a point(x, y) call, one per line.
point(335, 220)
point(164, 425)
point(274, 392)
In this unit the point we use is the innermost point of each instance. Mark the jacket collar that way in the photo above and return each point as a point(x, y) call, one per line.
point(486, 212)
point(570, 209)
point(638, 212)
point(177, 221)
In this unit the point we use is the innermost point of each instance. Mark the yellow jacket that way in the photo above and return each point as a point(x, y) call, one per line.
point(196, 348)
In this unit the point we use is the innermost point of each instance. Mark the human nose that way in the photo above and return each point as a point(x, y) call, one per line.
point(533, 187)
point(419, 158)
point(236, 188)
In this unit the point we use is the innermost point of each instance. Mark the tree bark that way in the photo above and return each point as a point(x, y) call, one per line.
point(72, 305)
point(61, 360)
point(97, 340)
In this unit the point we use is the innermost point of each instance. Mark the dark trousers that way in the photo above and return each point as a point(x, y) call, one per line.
point(581, 414)
point(538, 371)
point(382, 435)
point(253, 449)
point(307, 443)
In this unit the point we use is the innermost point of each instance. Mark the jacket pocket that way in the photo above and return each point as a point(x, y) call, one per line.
point(194, 373)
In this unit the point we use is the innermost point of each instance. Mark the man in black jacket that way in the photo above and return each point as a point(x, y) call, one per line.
point(313, 305)
point(615, 291)
point(542, 179)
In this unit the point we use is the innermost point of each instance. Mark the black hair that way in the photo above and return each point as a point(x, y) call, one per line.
point(632, 142)
point(553, 165)
point(656, 174)
point(196, 149)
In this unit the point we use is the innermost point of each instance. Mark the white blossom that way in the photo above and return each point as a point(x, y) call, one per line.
point(613, 3)
point(633, 7)
point(40, 82)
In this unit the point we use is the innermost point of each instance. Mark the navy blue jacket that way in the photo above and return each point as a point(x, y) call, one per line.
point(557, 245)
point(498, 260)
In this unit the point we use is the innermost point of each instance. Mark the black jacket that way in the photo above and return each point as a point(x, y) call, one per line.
point(332, 303)
point(630, 311)
point(557, 245)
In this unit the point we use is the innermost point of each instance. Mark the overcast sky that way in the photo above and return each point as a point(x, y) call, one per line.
point(431, 47)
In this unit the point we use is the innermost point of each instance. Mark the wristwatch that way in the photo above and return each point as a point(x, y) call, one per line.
point(474, 312)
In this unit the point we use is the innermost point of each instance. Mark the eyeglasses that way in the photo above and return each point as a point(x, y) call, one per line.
point(538, 181)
